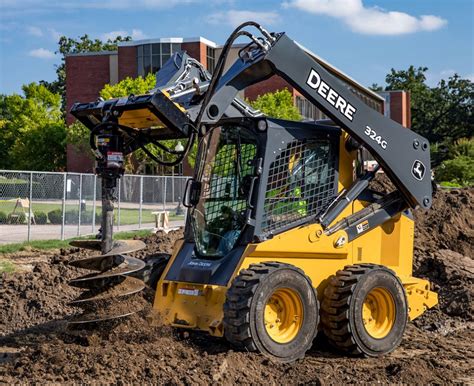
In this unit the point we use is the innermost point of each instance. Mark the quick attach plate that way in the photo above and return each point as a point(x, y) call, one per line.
point(165, 118)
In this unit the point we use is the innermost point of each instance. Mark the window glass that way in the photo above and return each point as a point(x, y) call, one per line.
point(156, 49)
point(165, 48)
point(146, 50)
point(155, 63)
point(175, 47)
point(146, 65)
point(140, 51)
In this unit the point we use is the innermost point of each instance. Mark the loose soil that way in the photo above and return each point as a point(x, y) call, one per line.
point(37, 346)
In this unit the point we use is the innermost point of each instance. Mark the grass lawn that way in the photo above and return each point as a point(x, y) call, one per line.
point(127, 216)
point(6, 266)
point(56, 244)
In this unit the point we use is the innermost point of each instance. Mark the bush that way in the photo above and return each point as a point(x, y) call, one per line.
point(3, 218)
point(40, 217)
point(459, 170)
point(447, 184)
point(71, 216)
point(55, 216)
point(16, 218)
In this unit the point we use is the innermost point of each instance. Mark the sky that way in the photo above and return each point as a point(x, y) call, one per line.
point(363, 38)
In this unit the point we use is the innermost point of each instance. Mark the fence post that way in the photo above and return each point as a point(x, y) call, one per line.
point(94, 198)
point(141, 204)
point(80, 202)
point(63, 205)
point(29, 206)
point(164, 193)
point(172, 184)
point(119, 191)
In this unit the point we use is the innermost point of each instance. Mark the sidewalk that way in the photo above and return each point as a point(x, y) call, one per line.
point(19, 233)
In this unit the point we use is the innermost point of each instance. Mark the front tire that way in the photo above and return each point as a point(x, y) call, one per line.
point(272, 308)
point(364, 310)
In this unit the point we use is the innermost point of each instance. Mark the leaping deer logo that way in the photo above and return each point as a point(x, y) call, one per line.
point(418, 170)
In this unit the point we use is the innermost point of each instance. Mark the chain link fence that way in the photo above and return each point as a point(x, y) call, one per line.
point(47, 205)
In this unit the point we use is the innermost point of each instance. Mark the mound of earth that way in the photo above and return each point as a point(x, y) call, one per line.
point(37, 346)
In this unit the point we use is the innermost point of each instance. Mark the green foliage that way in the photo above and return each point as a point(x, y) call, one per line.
point(74, 46)
point(459, 170)
point(447, 184)
point(278, 104)
point(40, 217)
point(55, 216)
point(128, 86)
point(443, 113)
point(463, 146)
point(33, 135)
point(3, 218)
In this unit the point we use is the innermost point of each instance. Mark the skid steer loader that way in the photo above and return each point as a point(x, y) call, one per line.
point(283, 235)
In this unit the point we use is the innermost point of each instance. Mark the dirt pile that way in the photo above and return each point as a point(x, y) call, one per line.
point(38, 347)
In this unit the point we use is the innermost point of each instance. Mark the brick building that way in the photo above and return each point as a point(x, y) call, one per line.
point(88, 73)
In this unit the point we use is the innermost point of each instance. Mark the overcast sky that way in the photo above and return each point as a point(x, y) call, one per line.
point(364, 38)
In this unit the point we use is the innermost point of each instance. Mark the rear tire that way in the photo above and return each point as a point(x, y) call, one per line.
point(364, 310)
point(272, 308)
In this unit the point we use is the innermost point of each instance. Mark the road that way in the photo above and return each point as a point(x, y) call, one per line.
point(19, 233)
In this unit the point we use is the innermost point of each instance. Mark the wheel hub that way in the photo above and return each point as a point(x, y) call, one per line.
point(378, 313)
point(283, 315)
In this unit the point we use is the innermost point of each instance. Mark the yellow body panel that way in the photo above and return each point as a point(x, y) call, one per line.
point(317, 254)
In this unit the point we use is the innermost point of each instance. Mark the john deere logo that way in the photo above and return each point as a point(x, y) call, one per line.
point(418, 170)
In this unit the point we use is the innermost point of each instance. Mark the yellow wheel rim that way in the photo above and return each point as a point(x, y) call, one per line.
point(283, 315)
point(378, 313)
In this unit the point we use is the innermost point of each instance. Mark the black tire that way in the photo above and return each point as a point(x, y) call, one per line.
point(151, 273)
point(342, 309)
point(246, 302)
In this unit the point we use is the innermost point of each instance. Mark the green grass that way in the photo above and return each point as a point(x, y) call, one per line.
point(56, 244)
point(127, 216)
point(6, 266)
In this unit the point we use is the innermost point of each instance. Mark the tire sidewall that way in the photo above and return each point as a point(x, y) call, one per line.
point(292, 279)
point(378, 278)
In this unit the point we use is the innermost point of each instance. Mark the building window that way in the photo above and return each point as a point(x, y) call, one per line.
point(151, 57)
point(211, 59)
point(308, 110)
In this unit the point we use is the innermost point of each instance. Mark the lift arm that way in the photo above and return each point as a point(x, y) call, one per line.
point(403, 154)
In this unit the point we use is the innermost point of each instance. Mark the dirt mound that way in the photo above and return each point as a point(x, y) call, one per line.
point(38, 347)
point(449, 224)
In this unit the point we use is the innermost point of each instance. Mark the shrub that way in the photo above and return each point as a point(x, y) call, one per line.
point(459, 170)
point(71, 216)
point(55, 216)
point(16, 218)
point(40, 217)
point(3, 218)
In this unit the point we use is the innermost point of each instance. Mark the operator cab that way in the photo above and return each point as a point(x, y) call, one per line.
point(255, 178)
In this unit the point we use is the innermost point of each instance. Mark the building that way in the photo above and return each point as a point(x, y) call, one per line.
point(87, 73)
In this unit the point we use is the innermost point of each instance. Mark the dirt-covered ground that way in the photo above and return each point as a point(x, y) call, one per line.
point(36, 346)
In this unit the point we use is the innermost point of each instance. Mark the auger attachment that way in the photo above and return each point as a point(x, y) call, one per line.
point(109, 290)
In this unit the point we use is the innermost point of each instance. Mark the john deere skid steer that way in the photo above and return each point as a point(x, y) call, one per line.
point(283, 237)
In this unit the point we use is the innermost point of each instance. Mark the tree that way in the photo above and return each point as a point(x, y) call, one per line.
point(33, 132)
point(73, 46)
point(129, 86)
point(442, 113)
point(278, 104)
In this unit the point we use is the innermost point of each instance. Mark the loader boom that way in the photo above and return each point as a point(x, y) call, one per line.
point(403, 154)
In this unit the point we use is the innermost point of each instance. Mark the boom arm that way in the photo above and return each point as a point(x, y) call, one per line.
point(403, 154)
